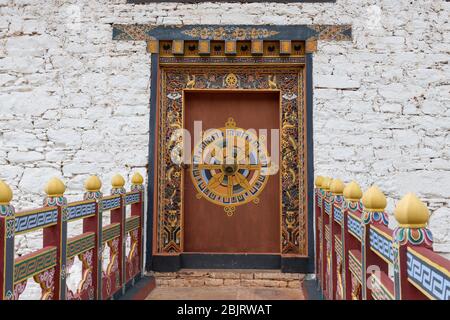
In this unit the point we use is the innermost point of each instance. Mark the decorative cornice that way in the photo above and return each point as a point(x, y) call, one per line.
point(144, 32)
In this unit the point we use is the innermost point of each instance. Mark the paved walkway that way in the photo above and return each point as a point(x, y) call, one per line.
point(225, 293)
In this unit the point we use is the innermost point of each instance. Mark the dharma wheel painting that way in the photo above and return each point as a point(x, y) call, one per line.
point(230, 166)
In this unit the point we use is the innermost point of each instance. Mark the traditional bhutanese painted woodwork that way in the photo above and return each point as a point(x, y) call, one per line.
point(366, 250)
point(174, 79)
point(50, 265)
point(235, 55)
point(232, 33)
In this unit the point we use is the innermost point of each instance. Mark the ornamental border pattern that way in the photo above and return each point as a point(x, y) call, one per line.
point(80, 210)
point(28, 222)
point(290, 83)
point(147, 32)
point(381, 245)
point(428, 279)
point(354, 227)
point(33, 265)
point(111, 203)
point(80, 245)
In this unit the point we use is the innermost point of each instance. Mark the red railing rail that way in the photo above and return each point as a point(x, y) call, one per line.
point(359, 257)
point(49, 265)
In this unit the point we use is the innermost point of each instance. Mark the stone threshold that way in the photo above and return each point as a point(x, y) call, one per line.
point(229, 277)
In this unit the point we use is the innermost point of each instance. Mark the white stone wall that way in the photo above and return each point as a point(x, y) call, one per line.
point(74, 103)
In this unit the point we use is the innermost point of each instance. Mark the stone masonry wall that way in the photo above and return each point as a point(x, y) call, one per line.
point(74, 103)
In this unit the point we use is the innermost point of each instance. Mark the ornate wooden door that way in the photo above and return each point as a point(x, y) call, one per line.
point(232, 186)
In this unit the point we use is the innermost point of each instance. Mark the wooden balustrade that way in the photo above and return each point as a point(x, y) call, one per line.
point(49, 265)
point(359, 257)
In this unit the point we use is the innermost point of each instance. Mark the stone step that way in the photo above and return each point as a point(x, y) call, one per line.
point(219, 277)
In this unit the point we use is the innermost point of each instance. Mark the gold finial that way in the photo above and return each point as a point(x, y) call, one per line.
point(137, 178)
point(326, 182)
point(93, 184)
point(374, 200)
point(337, 187)
point(5, 193)
point(411, 212)
point(55, 188)
point(117, 181)
point(352, 192)
point(318, 182)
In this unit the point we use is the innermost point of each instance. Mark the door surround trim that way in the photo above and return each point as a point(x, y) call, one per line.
point(309, 33)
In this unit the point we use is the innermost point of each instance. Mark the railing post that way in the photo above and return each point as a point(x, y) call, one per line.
point(57, 235)
point(325, 221)
point(412, 216)
point(374, 203)
point(94, 224)
point(317, 210)
point(7, 225)
point(138, 210)
point(336, 189)
point(118, 216)
point(352, 196)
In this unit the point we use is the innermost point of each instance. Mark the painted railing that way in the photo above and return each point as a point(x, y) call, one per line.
point(49, 265)
point(358, 257)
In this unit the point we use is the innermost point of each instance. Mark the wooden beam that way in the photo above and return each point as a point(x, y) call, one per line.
point(285, 47)
point(257, 47)
point(230, 47)
point(311, 46)
point(178, 47)
point(204, 47)
point(153, 46)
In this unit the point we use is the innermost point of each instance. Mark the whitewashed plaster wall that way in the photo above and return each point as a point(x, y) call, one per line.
point(74, 103)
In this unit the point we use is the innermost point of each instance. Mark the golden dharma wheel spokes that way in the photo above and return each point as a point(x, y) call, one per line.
point(234, 168)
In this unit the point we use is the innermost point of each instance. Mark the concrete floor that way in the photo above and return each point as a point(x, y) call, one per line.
point(224, 293)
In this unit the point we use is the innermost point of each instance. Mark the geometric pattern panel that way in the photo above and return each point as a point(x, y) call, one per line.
point(354, 227)
point(131, 198)
point(110, 232)
point(79, 210)
point(338, 245)
point(433, 281)
point(111, 203)
point(338, 216)
point(80, 244)
point(379, 290)
point(34, 220)
point(355, 266)
point(132, 223)
point(381, 245)
point(35, 263)
point(327, 207)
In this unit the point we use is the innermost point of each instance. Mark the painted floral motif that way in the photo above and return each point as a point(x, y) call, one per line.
point(19, 288)
point(46, 280)
point(414, 236)
point(229, 33)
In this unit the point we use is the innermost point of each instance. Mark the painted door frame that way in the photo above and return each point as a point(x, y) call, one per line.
point(308, 33)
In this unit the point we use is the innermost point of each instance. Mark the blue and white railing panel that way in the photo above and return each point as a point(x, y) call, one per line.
point(430, 278)
point(327, 207)
point(354, 226)
point(30, 221)
point(131, 198)
point(381, 245)
point(337, 215)
point(111, 203)
point(80, 210)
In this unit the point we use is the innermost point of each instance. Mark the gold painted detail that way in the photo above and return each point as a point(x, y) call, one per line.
point(231, 80)
point(223, 33)
point(230, 167)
